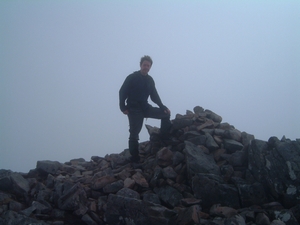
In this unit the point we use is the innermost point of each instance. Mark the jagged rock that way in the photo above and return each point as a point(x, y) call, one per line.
point(247, 138)
point(211, 115)
point(116, 160)
point(48, 166)
point(169, 195)
point(164, 157)
point(15, 206)
point(129, 183)
point(113, 187)
point(197, 139)
point(178, 158)
point(120, 208)
point(88, 220)
point(199, 162)
point(207, 124)
point(140, 180)
point(127, 192)
point(251, 194)
point(262, 219)
point(210, 142)
point(285, 216)
point(238, 158)
point(275, 165)
point(232, 146)
point(209, 173)
point(190, 215)
point(13, 218)
point(13, 182)
point(72, 198)
point(235, 220)
point(152, 130)
point(168, 172)
point(182, 123)
point(222, 211)
point(212, 190)
point(198, 110)
point(190, 201)
point(277, 222)
point(101, 182)
point(234, 134)
point(151, 197)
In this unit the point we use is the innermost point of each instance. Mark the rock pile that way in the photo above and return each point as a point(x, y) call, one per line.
point(208, 173)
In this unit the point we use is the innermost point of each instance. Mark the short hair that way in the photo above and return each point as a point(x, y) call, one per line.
point(146, 58)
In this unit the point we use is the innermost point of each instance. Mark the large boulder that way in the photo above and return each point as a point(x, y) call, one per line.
point(198, 161)
point(13, 182)
point(276, 164)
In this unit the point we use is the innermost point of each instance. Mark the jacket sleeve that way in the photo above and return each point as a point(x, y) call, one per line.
point(155, 97)
point(123, 94)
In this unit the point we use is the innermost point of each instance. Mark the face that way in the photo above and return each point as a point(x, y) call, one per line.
point(145, 67)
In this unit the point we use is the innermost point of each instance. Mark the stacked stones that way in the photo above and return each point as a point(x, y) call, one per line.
point(209, 173)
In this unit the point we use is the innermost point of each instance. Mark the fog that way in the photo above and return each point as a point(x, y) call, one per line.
point(62, 64)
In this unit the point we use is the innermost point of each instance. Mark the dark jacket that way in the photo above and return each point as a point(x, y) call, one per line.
point(135, 91)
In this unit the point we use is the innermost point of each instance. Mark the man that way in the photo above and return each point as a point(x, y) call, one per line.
point(136, 90)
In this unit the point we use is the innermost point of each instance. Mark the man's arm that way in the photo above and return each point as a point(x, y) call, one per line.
point(123, 94)
point(156, 99)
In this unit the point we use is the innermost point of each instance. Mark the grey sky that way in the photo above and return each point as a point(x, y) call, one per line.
point(62, 64)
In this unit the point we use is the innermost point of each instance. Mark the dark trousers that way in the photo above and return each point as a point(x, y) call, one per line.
point(136, 118)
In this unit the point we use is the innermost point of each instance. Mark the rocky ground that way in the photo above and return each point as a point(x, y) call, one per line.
point(208, 173)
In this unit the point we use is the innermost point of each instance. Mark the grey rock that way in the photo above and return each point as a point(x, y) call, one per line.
point(178, 157)
point(15, 206)
point(262, 219)
point(193, 136)
point(285, 216)
point(101, 182)
point(88, 220)
point(198, 110)
point(212, 190)
point(129, 193)
point(151, 197)
point(48, 166)
point(13, 218)
point(168, 172)
point(235, 220)
point(139, 212)
point(232, 146)
point(113, 187)
point(215, 117)
point(72, 198)
point(13, 182)
point(247, 138)
point(251, 194)
point(164, 157)
point(169, 195)
point(210, 142)
point(189, 215)
point(181, 123)
point(275, 164)
point(199, 162)
point(238, 158)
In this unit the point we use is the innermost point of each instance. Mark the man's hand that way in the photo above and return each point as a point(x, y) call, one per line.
point(167, 111)
point(125, 112)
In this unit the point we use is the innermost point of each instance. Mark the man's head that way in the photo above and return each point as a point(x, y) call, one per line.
point(145, 64)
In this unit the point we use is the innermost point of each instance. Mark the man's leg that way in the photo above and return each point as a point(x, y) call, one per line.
point(165, 124)
point(135, 118)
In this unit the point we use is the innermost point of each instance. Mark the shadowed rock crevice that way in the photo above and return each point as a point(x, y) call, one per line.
point(209, 172)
